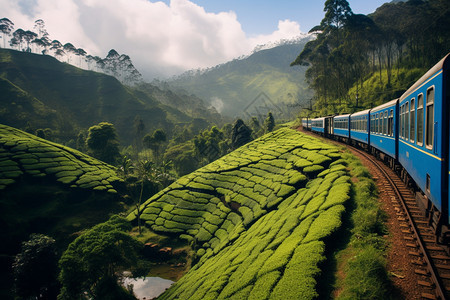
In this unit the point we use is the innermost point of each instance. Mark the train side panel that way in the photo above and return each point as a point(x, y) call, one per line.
point(318, 125)
point(341, 126)
point(359, 126)
point(420, 151)
point(384, 129)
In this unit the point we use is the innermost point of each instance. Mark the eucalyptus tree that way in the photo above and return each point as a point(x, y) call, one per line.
point(80, 53)
point(6, 27)
point(69, 49)
point(18, 39)
point(28, 37)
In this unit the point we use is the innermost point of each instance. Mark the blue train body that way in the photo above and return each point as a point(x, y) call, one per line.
point(383, 128)
point(413, 132)
point(341, 125)
point(318, 125)
point(359, 126)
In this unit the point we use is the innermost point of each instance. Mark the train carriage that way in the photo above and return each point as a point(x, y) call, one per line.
point(359, 126)
point(318, 125)
point(424, 137)
point(341, 126)
point(383, 128)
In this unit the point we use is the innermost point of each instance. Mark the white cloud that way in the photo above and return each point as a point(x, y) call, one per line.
point(161, 39)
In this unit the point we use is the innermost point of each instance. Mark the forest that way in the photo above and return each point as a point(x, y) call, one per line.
point(358, 61)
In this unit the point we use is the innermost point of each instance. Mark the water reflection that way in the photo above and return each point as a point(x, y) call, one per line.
point(148, 287)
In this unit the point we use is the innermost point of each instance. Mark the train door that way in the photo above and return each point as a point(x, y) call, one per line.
point(328, 126)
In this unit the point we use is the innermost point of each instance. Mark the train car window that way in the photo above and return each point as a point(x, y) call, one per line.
point(402, 126)
point(420, 120)
point(429, 131)
point(412, 121)
point(371, 123)
point(391, 123)
point(375, 123)
point(407, 121)
point(378, 123)
point(385, 131)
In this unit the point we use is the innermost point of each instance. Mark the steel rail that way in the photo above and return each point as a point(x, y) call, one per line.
point(438, 285)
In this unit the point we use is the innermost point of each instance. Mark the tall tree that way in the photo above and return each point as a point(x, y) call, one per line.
point(241, 134)
point(6, 27)
point(336, 14)
point(18, 38)
point(35, 268)
point(269, 123)
point(103, 143)
point(155, 142)
point(29, 36)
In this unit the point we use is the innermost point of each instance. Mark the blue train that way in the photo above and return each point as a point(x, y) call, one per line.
point(411, 134)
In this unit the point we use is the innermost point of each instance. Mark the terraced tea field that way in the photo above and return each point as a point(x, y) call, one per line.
point(258, 218)
point(23, 154)
point(48, 188)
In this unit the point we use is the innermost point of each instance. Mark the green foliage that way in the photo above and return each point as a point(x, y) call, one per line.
point(269, 123)
point(35, 268)
point(95, 257)
point(241, 134)
point(103, 143)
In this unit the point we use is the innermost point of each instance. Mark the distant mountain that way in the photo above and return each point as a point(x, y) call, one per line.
point(38, 91)
point(250, 85)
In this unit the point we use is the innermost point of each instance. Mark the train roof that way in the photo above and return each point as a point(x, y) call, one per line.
point(425, 77)
point(342, 116)
point(360, 113)
point(385, 105)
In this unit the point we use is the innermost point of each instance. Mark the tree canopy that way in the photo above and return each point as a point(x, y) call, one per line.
point(397, 38)
point(93, 262)
point(103, 143)
point(35, 268)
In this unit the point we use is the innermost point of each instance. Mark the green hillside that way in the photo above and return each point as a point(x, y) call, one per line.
point(258, 218)
point(239, 82)
point(38, 91)
point(49, 188)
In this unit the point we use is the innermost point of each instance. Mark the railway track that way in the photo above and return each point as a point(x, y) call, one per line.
point(431, 262)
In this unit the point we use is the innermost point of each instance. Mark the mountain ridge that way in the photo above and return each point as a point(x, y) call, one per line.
point(231, 86)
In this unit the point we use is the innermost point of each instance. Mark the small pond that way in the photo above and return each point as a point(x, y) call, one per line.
point(148, 287)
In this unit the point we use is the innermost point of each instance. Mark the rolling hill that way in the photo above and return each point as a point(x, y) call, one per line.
point(259, 218)
point(38, 91)
point(234, 88)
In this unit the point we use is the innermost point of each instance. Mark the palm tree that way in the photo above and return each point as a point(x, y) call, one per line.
point(146, 172)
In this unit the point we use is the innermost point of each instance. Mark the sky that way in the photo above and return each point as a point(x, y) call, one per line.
point(165, 38)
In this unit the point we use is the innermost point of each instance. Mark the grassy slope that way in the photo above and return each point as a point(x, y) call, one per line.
point(258, 218)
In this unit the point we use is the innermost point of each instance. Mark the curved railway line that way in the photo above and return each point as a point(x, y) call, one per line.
point(430, 260)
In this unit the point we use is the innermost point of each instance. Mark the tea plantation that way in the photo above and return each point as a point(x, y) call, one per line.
point(23, 154)
point(258, 218)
